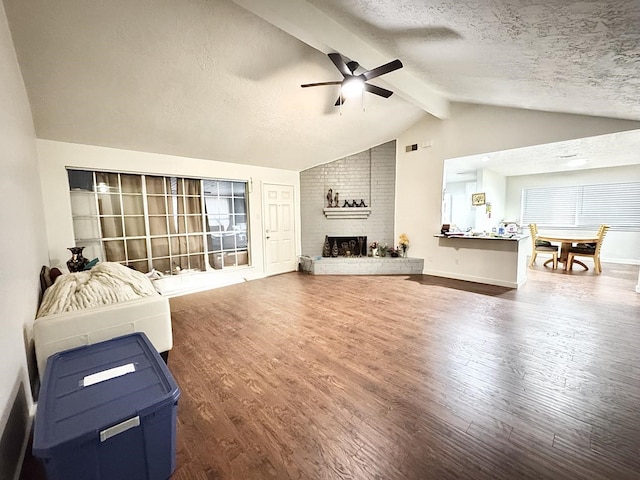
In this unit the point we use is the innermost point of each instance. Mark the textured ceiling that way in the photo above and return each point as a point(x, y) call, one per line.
point(209, 79)
point(614, 149)
point(576, 57)
point(203, 79)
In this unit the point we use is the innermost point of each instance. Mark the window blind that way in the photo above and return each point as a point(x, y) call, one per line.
point(550, 205)
point(583, 206)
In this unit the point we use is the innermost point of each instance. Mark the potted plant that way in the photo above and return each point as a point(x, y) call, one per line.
point(403, 244)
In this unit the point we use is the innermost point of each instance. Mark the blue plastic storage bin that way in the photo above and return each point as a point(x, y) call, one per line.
point(107, 412)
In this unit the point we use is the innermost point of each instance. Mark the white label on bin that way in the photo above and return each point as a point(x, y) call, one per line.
point(119, 428)
point(108, 374)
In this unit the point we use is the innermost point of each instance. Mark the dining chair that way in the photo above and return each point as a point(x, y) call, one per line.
point(541, 246)
point(589, 250)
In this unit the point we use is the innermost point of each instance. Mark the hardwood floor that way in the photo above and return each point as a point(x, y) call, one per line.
point(410, 377)
point(315, 377)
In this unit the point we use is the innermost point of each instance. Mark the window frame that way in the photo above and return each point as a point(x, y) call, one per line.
point(187, 244)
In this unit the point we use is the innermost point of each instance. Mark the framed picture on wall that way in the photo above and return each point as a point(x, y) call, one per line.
point(478, 199)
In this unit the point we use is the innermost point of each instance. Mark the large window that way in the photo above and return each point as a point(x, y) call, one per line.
point(584, 206)
point(170, 224)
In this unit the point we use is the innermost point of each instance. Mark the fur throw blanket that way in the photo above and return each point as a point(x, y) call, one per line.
point(104, 284)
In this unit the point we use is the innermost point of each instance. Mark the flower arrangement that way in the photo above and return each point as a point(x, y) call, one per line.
point(403, 244)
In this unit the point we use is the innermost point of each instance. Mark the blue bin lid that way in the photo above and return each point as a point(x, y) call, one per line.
point(71, 408)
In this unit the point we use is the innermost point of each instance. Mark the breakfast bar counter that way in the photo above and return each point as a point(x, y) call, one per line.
point(492, 259)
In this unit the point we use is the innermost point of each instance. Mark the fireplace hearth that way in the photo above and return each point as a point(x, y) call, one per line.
point(355, 246)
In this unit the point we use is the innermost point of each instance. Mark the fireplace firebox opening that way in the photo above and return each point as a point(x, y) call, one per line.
point(355, 246)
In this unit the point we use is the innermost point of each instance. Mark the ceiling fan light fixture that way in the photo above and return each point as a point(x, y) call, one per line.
point(352, 84)
point(352, 87)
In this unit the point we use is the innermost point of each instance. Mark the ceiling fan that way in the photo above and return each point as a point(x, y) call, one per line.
point(356, 83)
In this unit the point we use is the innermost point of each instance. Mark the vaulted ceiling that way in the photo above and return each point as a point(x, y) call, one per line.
point(220, 79)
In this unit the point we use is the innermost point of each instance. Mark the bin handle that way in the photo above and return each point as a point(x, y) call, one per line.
point(119, 428)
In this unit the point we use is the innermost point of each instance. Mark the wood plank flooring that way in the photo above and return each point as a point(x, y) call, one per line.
point(400, 377)
point(410, 377)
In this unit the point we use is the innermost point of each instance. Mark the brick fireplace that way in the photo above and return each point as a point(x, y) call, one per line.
point(361, 265)
point(347, 255)
point(368, 175)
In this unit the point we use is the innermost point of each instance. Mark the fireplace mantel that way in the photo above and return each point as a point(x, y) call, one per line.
point(347, 212)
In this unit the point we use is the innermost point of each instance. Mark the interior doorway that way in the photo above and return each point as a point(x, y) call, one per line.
point(279, 228)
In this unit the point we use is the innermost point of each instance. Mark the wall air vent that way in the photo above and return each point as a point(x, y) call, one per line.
point(411, 148)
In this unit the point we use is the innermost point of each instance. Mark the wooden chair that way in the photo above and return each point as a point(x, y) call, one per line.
point(589, 250)
point(539, 246)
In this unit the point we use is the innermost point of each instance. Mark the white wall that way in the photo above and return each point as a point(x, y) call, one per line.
point(22, 243)
point(462, 213)
point(619, 247)
point(471, 129)
point(54, 157)
point(494, 185)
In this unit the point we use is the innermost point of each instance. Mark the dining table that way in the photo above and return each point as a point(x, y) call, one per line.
point(567, 239)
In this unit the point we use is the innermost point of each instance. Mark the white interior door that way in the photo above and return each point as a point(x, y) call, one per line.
point(279, 234)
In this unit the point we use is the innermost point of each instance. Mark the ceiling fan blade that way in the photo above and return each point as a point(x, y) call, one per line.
point(340, 64)
point(319, 84)
point(383, 92)
point(381, 70)
point(339, 101)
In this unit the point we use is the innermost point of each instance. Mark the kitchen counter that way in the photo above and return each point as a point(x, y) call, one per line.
point(512, 236)
point(495, 260)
